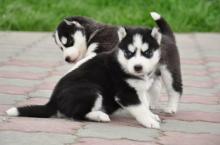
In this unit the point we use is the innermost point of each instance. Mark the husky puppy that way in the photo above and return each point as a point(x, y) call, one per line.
point(75, 34)
point(107, 82)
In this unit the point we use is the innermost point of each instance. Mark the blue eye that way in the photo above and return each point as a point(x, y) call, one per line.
point(128, 54)
point(148, 53)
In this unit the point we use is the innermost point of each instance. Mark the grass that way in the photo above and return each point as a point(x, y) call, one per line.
point(44, 15)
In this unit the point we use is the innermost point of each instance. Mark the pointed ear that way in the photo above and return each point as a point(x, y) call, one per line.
point(121, 33)
point(156, 34)
point(68, 22)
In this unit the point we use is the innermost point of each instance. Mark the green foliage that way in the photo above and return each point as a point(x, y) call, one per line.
point(44, 15)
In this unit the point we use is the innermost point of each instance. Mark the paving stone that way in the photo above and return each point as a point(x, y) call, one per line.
point(7, 89)
point(25, 63)
point(199, 107)
point(50, 125)
point(11, 99)
point(41, 93)
point(23, 75)
point(191, 127)
point(22, 38)
point(194, 116)
point(19, 82)
point(96, 141)
point(9, 68)
point(174, 138)
point(22, 138)
point(199, 99)
point(100, 130)
point(47, 86)
point(33, 101)
point(3, 108)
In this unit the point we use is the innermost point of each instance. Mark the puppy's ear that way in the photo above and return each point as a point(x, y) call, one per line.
point(156, 34)
point(68, 22)
point(121, 33)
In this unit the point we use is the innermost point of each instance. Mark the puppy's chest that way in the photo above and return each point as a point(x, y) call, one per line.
point(140, 84)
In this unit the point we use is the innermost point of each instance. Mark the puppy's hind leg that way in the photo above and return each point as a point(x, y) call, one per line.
point(96, 114)
point(173, 84)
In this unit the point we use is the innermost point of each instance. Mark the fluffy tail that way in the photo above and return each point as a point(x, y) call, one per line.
point(163, 25)
point(41, 111)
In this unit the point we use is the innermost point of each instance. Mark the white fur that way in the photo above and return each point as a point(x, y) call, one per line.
point(143, 116)
point(121, 33)
point(64, 40)
point(98, 103)
point(72, 22)
point(141, 112)
point(131, 48)
point(173, 95)
point(155, 16)
point(137, 41)
point(78, 50)
point(59, 43)
point(156, 34)
point(82, 61)
point(98, 116)
point(154, 93)
point(92, 47)
point(148, 65)
point(12, 112)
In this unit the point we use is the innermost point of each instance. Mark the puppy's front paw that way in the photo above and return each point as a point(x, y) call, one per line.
point(149, 122)
point(171, 110)
point(155, 117)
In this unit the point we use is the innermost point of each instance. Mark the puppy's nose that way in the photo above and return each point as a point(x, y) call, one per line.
point(68, 59)
point(138, 68)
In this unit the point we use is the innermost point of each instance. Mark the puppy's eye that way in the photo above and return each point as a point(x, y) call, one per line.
point(128, 54)
point(148, 53)
point(70, 42)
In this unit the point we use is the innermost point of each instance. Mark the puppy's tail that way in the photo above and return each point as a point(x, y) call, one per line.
point(41, 111)
point(163, 25)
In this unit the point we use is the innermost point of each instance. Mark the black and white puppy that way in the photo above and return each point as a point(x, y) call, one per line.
point(107, 82)
point(75, 34)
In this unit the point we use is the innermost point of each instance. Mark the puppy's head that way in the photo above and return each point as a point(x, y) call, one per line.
point(139, 50)
point(70, 37)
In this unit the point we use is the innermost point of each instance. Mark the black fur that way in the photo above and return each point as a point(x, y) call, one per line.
point(75, 94)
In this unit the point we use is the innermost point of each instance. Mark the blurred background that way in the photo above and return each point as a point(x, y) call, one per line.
point(44, 15)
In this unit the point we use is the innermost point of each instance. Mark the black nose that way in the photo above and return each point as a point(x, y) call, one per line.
point(138, 68)
point(68, 59)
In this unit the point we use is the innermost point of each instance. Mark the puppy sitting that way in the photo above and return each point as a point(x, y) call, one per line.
point(107, 82)
point(75, 34)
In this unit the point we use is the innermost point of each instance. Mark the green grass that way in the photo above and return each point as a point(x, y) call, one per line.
point(44, 15)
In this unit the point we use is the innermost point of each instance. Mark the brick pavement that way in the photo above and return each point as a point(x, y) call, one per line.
point(31, 64)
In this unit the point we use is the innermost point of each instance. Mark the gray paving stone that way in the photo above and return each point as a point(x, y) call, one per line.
point(196, 78)
point(24, 69)
point(19, 82)
point(199, 107)
point(24, 38)
point(36, 58)
point(21, 138)
point(191, 127)
point(53, 79)
point(41, 93)
point(199, 91)
point(210, 40)
point(11, 99)
point(107, 131)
